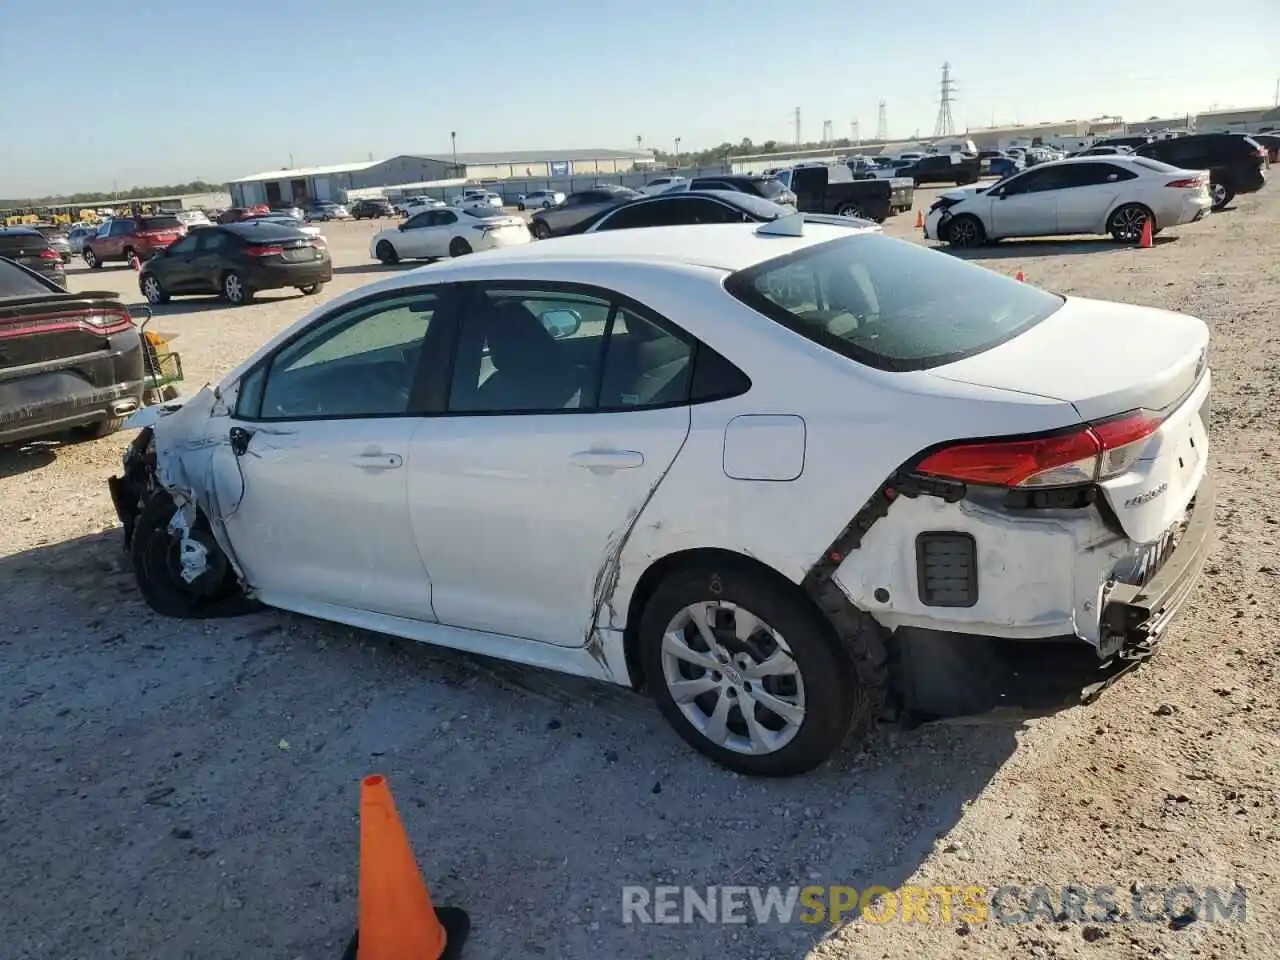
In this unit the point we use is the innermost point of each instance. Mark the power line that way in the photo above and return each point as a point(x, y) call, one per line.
point(946, 124)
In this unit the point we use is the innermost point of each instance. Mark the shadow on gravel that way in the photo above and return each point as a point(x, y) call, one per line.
point(1013, 249)
point(23, 457)
point(200, 303)
point(208, 763)
point(377, 267)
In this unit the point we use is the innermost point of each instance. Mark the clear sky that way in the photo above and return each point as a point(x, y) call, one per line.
point(98, 94)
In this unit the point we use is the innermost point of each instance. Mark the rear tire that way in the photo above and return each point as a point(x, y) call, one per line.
point(540, 230)
point(234, 290)
point(1222, 195)
point(459, 247)
point(311, 288)
point(966, 231)
point(385, 252)
point(91, 259)
point(520, 206)
point(850, 210)
point(99, 429)
point(132, 259)
point(1126, 223)
point(814, 681)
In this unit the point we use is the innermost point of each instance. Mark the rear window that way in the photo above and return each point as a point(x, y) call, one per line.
point(16, 282)
point(770, 188)
point(890, 304)
point(1159, 166)
point(159, 223)
point(13, 245)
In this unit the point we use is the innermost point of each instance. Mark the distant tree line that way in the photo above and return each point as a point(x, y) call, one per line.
point(133, 193)
point(717, 156)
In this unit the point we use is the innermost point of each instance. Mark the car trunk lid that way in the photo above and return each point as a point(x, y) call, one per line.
point(45, 327)
point(1118, 365)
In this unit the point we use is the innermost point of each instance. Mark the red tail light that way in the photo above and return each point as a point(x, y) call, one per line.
point(1096, 452)
point(101, 319)
point(1188, 183)
point(49, 255)
point(263, 251)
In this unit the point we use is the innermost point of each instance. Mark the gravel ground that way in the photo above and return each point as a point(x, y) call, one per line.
point(172, 789)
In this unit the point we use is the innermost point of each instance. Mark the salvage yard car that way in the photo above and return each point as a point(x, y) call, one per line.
point(70, 361)
point(1102, 194)
point(772, 472)
point(834, 189)
point(238, 260)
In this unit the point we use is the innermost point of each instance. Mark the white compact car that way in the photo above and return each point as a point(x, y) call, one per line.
point(411, 205)
point(192, 218)
point(1111, 194)
point(748, 467)
point(541, 200)
point(448, 232)
point(661, 185)
point(477, 198)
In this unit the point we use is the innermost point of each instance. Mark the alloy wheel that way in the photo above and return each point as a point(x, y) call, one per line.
point(233, 287)
point(733, 677)
point(1219, 195)
point(1128, 223)
point(151, 289)
point(963, 233)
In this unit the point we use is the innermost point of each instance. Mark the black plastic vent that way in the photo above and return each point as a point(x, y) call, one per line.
point(947, 569)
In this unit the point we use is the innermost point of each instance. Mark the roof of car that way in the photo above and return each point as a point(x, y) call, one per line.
point(723, 246)
point(20, 232)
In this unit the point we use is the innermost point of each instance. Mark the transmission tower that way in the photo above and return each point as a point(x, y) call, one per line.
point(882, 124)
point(798, 140)
point(828, 134)
point(946, 124)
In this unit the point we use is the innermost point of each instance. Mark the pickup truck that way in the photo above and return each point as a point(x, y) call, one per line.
point(835, 189)
point(944, 168)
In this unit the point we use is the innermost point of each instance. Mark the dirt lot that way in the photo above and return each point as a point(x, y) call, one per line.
point(172, 789)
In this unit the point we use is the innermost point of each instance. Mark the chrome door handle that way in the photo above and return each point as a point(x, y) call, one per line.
point(377, 461)
point(607, 461)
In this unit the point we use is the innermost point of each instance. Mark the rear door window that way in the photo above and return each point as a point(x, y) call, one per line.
point(890, 304)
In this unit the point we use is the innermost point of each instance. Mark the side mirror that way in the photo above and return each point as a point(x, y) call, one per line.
point(561, 323)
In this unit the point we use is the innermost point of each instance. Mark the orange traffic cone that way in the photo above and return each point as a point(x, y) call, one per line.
point(1020, 277)
point(1148, 240)
point(919, 219)
point(397, 921)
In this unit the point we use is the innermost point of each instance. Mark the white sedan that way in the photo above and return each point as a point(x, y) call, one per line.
point(1111, 194)
point(411, 205)
point(746, 467)
point(448, 233)
point(540, 200)
point(478, 198)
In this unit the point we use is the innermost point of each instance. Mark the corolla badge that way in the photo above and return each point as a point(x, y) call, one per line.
point(1144, 498)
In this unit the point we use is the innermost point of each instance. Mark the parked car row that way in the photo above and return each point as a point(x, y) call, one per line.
point(1156, 185)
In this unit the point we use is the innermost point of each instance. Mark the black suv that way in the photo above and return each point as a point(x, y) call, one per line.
point(944, 168)
point(1236, 163)
point(371, 209)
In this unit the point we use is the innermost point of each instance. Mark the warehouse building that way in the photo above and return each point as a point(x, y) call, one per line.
point(334, 182)
point(1247, 120)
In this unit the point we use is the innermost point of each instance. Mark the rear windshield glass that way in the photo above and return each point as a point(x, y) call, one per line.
point(16, 282)
point(1159, 166)
point(770, 188)
point(890, 304)
point(12, 245)
point(158, 223)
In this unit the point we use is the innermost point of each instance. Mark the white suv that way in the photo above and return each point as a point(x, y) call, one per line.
point(661, 185)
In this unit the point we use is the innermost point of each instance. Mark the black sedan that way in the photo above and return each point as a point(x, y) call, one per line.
point(31, 248)
point(694, 206)
point(237, 260)
point(578, 208)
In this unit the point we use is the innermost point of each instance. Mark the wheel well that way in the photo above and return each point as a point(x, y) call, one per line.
point(652, 578)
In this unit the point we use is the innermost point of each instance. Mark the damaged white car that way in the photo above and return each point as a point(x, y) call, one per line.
point(782, 476)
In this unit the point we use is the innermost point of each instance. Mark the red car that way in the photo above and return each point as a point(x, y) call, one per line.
point(132, 239)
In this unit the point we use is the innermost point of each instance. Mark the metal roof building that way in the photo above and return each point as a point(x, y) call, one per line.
point(335, 181)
